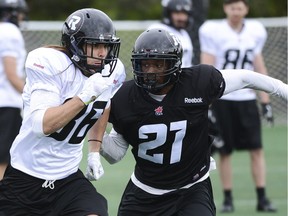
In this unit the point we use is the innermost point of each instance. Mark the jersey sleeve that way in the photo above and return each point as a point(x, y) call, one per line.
point(217, 84)
point(41, 72)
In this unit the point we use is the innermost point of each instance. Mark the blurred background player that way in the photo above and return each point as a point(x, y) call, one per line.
point(12, 57)
point(176, 17)
point(237, 43)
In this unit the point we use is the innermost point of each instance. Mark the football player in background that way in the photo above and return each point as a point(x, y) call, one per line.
point(67, 90)
point(236, 43)
point(12, 58)
point(176, 19)
point(163, 115)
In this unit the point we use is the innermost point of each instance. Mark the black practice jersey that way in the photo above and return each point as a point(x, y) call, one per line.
point(169, 139)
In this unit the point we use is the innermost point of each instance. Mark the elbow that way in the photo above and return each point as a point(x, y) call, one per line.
point(47, 129)
point(38, 126)
point(111, 159)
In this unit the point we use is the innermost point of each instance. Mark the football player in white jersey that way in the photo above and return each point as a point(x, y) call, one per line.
point(12, 58)
point(175, 19)
point(237, 43)
point(66, 92)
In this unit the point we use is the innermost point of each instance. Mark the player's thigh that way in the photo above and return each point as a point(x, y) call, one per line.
point(137, 202)
point(77, 196)
point(198, 200)
point(248, 127)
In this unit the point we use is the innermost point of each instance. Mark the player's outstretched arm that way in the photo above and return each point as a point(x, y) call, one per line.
point(239, 79)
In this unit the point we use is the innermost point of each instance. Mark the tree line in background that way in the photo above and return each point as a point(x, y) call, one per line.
point(141, 9)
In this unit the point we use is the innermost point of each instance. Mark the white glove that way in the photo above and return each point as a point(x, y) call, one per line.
point(93, 87)
point(94, 169)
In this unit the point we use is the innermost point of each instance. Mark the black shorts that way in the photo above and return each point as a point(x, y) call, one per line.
point(10, 123)
point(22, 194)
point(239, 125)
point(194, 201)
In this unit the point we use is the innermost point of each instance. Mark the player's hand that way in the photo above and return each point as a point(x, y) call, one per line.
point(94, 86)
point(267, 113)
point(94, 169)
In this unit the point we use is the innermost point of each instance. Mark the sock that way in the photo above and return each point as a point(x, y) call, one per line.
point(260, 193)
point(228, 194)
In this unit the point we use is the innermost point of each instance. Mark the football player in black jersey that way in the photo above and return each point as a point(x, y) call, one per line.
point(163, 115)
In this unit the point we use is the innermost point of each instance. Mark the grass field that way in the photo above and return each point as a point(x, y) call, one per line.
point(112, 184)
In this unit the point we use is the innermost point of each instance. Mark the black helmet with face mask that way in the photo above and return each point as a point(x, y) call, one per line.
point(10, 10)
point(156, 44)
point(170, 6)
point(90, 27)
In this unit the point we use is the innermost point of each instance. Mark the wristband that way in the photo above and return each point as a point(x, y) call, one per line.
point(95, 140)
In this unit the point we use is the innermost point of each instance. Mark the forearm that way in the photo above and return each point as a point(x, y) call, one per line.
point(239, 79)
point(114, 147)
point(17, 83)
point(10, 68)
point(95, 134)
point(56, 118)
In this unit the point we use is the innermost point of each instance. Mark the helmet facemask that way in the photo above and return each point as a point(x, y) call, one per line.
point(82, 55)
point(155, 81)
point(162, 52)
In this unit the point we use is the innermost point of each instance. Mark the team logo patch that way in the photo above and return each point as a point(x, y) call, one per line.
point(159, 111)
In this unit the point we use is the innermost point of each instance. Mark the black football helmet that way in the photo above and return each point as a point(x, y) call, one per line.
point(170, 6)
point(10, 9)
point(90, 26)
point(156, 44)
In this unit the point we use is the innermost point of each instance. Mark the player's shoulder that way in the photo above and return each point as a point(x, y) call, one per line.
point(9, 31)
point(255, 29)
point(47, 59)
point(125, 92)
point(202, 74)
point(200, 69)
point(254, 26)
point(254, 23)
point(211, 26)
point(127, 86)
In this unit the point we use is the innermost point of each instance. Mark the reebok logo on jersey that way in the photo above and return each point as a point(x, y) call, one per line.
point(37, 65)
point(193, 100)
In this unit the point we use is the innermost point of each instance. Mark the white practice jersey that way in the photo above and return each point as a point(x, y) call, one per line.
point(233, 50)
point(185, 40)
point(11, 44)
point(57, 155)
